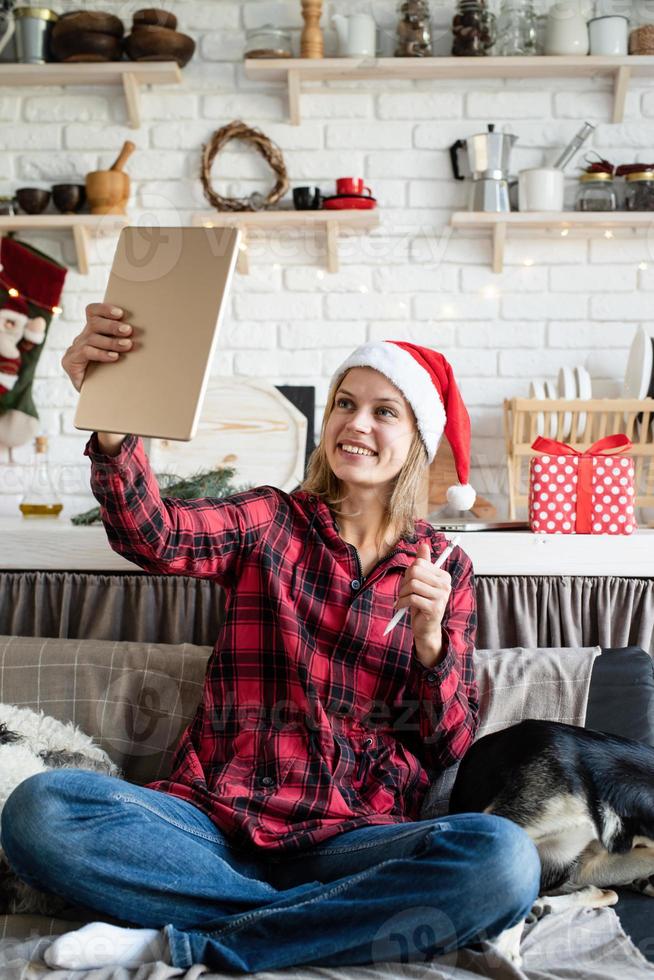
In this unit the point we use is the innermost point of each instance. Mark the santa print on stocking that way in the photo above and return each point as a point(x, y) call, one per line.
point(31, 284)
point(18, 334)
point(582, 492)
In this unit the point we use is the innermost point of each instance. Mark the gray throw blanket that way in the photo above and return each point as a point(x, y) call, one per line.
point(579, 944)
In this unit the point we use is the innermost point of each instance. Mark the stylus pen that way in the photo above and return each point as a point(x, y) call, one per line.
point(437, 564)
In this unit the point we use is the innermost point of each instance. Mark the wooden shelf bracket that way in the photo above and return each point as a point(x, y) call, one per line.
point(621, 87)
point(132, 92)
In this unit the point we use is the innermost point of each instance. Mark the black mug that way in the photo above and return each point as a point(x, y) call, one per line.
point(307, 198)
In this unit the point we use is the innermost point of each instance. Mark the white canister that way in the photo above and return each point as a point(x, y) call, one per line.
point(609, 34)
point(540, 189)
point(566, 31)
point(357, 35)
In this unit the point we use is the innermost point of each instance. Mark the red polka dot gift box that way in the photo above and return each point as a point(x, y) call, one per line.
point(588, 492)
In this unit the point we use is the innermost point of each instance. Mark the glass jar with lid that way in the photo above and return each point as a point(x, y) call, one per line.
point(641, 36)
point(473, 28)
point(268, 42)
point(516, 28)
point(596, 192)
point(413, 30)
point(639, 191)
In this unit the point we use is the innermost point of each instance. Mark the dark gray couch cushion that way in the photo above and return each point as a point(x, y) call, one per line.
point(621, 702)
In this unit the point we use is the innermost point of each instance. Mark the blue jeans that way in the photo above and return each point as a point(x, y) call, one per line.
point(403, 892)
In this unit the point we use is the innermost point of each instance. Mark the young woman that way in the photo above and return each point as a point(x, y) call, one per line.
point(288, 831)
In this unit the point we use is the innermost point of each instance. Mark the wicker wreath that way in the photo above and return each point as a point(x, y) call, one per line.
point(237, 130)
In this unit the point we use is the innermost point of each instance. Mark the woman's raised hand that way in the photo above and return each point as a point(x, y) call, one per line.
point(104, 338)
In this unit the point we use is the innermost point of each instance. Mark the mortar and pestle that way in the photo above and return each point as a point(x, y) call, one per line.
point(107, 191)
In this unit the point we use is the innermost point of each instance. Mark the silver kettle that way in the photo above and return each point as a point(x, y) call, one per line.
point(488, 155)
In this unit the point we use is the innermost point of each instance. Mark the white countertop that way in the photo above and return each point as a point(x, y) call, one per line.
point(56, 544)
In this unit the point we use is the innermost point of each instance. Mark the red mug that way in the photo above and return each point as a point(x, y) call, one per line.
point(352, 185)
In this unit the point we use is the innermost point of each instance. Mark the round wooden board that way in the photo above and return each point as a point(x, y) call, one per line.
point(246, 424)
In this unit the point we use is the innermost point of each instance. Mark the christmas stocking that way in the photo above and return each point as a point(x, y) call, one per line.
point(31, 284)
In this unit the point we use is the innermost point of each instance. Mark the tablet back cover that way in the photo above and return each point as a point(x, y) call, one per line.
point(173, 285)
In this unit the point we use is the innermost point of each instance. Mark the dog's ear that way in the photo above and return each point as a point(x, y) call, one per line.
point(8, 736)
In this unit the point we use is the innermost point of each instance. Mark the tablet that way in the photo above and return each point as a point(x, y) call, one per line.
point(173, 285)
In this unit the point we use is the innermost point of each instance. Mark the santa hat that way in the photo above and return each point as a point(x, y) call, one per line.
point(427, 382)
point(15, 304)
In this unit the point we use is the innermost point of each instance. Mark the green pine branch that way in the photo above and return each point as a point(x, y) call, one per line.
point(204, 483)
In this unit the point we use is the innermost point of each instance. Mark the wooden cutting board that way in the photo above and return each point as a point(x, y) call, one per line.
point(441, 475)
point(246, 424)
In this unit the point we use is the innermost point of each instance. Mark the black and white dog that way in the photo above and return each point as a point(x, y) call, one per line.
point(586, 799)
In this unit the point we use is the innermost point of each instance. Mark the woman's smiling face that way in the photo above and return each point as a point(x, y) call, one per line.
point(370, 429)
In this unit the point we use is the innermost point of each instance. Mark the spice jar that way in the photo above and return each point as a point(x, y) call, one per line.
point(596, 192)
point(639, 191)
point(641, 38)
point(473, 28)
point(268, 42)
point(413, 30)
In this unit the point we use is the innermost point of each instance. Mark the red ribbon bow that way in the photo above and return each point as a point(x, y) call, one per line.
point(608, 446)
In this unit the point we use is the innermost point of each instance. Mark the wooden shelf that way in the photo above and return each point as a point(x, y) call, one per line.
point(588, 221)
point(334, 224)
point(83, 227)
point(130, 74)
point(295, 71)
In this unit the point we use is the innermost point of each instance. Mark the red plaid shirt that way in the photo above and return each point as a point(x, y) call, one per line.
point(311, 721)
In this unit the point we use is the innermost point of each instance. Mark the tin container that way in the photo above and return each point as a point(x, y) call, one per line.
point(33, 27)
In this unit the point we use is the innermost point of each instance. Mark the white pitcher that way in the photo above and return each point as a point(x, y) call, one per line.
point(566, 31)
point(357, 35)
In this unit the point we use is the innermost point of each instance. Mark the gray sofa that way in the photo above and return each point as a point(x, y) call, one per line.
point(136, 698)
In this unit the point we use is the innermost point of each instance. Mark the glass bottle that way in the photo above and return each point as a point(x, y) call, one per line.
point(473, 28)
point(413, 30)
point(516, 29)
point(40, 498)
point(596, 193)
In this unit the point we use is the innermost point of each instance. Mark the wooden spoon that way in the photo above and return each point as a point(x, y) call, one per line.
point(123, 156)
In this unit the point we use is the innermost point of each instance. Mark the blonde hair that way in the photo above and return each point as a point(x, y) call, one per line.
point(403, 501)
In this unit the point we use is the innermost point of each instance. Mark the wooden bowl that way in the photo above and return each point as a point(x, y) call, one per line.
point(86, 46)
point(107, 191)
point(148, 43)
point(69, 198)
point(88, 20)
point(156, 17)
point(32, 200)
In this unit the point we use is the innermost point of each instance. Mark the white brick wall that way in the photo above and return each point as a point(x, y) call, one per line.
point(559, 300)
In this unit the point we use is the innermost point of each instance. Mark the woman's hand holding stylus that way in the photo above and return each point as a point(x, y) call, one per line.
point(425, 591)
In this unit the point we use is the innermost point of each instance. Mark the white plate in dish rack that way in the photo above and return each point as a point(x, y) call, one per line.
point(551, 392)
point(567, 389)
point(638, 374)
point(584, 390)
point(537, 390)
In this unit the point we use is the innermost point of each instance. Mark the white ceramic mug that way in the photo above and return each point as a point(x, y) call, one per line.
point(357, 35)
point(540, 189)
point(609, 34)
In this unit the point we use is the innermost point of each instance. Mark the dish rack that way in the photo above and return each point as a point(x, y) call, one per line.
point(580, 423)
